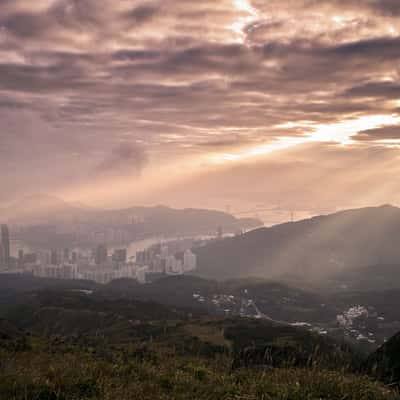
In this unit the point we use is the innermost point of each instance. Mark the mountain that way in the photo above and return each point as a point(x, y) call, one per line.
point(169, 221)
point(47, 221)
point(309, 250)
point(41, 208)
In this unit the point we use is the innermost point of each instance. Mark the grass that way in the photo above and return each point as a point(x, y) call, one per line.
point(81, 374)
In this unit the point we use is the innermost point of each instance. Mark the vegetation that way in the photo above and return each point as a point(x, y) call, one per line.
point(58, 371)
point(385, 362)
point(66, 345)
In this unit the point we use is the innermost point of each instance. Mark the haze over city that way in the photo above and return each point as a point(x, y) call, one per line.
point(201, 104)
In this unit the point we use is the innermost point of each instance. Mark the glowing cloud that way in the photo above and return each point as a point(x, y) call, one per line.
point(239, 25)
point(340, 132)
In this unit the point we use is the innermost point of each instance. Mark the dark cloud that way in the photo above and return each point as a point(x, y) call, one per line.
point(388, 90)
point(126, 158)
point(26, 25)
point(386, 133)
point(143, 13)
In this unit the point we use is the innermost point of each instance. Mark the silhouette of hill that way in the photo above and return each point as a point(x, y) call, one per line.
point(384, 364)
point(314, 249)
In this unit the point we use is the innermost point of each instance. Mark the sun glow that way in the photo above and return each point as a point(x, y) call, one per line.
point(239, 25)
point(244, 5)
point(341, 132)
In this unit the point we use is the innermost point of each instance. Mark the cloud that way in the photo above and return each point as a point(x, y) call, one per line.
point(386, 90)
point(386, 133)
point(122, 85)
point(126, 158)
point(143, 13)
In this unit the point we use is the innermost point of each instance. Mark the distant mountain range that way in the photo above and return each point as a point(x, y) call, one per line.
point(311, 250)
point(42, 208)
point(136, 223)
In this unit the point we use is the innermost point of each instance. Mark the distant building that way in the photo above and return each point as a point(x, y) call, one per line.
point(20, 258)
point(164, 251)
point(101, 254)
point(142, 257)
point(141, 274)
point(120, 255)
point(30, 258)
point(44, 258)
point(54, 260)
point(173, 266)
point(66, 255)
point(189, 261)
point(5, 242)
point(1, 256)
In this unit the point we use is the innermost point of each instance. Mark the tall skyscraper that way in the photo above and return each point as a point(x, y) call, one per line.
point(54, 259)
point(101, 254)
point(5, 242)
point(20, 258)
point(1, 256)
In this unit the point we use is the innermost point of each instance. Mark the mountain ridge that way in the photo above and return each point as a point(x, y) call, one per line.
point(320, 246)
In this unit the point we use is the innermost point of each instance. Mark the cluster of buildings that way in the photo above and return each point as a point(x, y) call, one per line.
point(169, 259)
point(357, 322)
point(100, 264)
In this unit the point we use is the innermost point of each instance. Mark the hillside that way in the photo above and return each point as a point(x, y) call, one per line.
point(384, 364)
point(310, 250)
point(83, 347)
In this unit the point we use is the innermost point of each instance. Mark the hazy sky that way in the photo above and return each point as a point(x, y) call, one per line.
point(201, 103)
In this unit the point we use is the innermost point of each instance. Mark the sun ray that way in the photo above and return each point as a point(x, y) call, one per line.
point(341, 133)
point(240, 24)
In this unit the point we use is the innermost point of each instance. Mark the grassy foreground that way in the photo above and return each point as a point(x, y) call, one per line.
point(74, 375)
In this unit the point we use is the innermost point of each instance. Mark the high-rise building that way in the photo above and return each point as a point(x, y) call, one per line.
point(101, 254)
point(54, 259)
point(20, 258)
point(66, 255)
point(189, 261)
point(5, 242)
point(120, 255)
point(1, 256)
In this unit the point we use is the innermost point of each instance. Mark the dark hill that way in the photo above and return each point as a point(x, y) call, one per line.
point(314, 249)
point(384, 364)
point(69, 313)
point(267, 343)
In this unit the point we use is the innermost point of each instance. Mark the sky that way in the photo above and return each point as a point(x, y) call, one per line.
point(225, 103)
